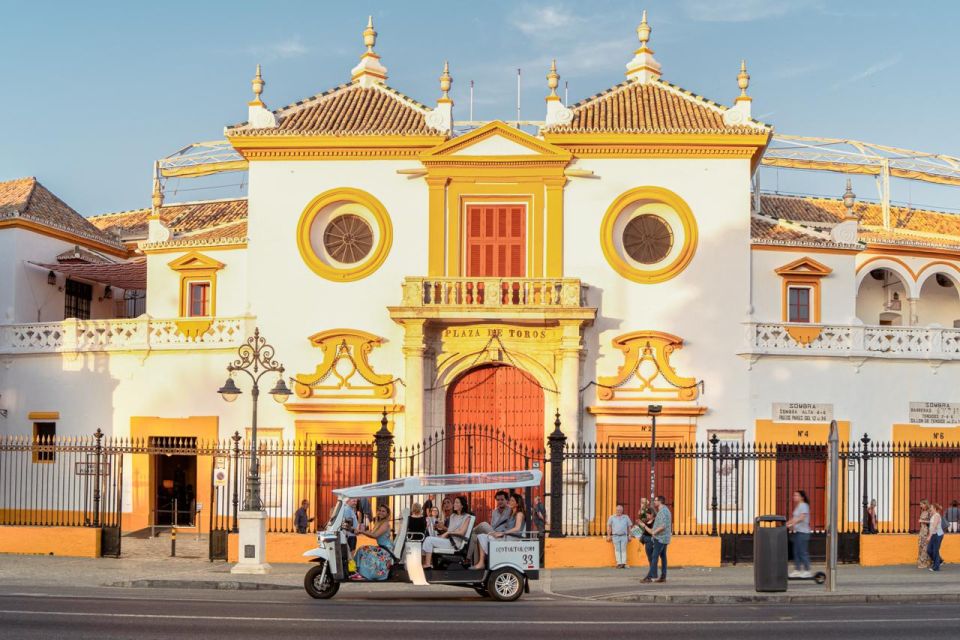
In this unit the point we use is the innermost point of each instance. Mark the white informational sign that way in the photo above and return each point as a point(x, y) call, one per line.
point(524, 554)
point(802, 412)
point(219, 477)
point(935, 412)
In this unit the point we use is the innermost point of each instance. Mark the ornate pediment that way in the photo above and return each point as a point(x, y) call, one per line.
point(345, 371)
point(646, 373)
point(804, 267)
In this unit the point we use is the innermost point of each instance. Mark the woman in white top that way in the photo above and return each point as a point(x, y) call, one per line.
point(515, 532)
point(457, 527)
point(936, 536)
point(800, 525)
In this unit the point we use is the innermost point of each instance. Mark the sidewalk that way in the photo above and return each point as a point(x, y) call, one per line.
point(684, 586)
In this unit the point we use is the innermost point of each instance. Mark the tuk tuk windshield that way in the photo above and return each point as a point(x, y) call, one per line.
point(333, 514)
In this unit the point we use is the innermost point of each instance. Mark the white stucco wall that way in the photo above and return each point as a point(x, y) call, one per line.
point(837, 290)
point(705, 304)
point(163, 283)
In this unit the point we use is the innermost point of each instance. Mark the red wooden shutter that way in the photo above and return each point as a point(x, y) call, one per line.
point(496, 241)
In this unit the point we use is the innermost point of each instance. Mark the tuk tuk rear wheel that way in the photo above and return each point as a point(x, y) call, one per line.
point(505, 585)
point(317, 589)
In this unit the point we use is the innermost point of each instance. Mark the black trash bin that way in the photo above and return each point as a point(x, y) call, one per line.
point(770, 553)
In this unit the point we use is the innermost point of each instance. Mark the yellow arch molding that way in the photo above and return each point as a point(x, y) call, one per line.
point(652, 194)
point(344, 344)
point(377, 255)
point(640, 346)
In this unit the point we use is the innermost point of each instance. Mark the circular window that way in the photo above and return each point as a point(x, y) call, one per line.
point(348, 238)
point(647, 239)
point(344, 234)
point(648, 235)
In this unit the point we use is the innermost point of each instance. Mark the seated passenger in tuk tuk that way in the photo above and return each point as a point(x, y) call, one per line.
point(457, 527)
point(514, 532)
point(374, 561)
point(416, 521)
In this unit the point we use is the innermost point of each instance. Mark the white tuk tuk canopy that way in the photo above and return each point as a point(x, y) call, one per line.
point(450, 483)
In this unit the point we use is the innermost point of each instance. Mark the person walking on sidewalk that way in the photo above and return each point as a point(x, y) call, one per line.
point(923, 536)
point(618, 530)
point(800, 524)
point(952, 517)
point(301, 520)
point(660, 532)
point(936, 537)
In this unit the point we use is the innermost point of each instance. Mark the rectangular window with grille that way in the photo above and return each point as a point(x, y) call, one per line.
point(43, 434)
point(199, 299)
point(77, 298)
point(798, 304)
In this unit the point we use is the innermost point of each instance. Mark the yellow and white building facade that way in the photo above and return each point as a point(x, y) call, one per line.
point(612, 259)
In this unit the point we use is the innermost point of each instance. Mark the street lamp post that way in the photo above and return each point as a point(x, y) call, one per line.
point(654, 410)
point(256, 360)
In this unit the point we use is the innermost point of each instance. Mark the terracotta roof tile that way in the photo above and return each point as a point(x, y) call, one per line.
point(27, 198)
point(233, 230)
point(350, 110)
point(654, 107)
point(908, 226)
point(762, 229)
point(183, 217)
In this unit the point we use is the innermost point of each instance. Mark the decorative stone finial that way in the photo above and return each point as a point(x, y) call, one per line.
point(441, 118)
point(257, 83)
point(643, 67)
point(557, 114)
point(743, 80)
point(445, 81)
point(553, 81)
point(849, 200)
point(643, 31)
point(369, 71)
point(369, 35)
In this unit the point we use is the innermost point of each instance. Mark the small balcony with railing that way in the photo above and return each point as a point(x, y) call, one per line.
point(122, 334)
point(508, 298)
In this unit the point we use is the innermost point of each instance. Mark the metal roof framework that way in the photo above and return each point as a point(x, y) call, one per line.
point(838, 155)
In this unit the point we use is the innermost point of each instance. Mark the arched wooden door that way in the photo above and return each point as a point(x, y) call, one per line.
point(494, 423)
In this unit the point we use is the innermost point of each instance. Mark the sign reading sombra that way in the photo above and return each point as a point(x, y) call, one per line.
point(802, 412)
point(935, 412)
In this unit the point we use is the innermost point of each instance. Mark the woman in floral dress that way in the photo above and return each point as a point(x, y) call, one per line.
point(923, 538)
point(374, 561)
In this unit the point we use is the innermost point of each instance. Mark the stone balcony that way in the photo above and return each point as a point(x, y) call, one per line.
point(493, 299)
point(855, 341)
point(138, 334)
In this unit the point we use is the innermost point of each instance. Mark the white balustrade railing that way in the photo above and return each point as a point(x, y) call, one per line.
point(779, 338)
point(139, 334)
point(492, 292)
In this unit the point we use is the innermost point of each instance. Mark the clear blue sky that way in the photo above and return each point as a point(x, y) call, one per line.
point(94, 92)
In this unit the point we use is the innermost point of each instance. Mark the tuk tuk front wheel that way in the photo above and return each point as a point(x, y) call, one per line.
point(505, 585)
point(318, 585)
point(482, 592)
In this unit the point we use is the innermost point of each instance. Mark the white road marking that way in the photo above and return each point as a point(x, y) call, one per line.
point(485, 622)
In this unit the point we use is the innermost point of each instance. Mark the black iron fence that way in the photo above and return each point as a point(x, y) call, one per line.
point(713, 488)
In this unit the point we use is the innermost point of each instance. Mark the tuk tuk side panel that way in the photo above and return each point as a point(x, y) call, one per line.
point(520, 554)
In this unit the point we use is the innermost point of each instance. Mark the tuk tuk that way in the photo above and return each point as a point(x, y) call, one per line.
point(510, 563)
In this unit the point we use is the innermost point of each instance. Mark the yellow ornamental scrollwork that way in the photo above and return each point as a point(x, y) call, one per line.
point(345, 371)
point(646, 373)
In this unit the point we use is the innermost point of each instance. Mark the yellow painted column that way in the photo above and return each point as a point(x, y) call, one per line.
point(437, 212)
point(554, 188)
point(414, 348)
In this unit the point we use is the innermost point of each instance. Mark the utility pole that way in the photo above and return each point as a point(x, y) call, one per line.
point(833, 482)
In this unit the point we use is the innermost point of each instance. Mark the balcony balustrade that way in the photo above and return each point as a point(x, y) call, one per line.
point(139, 334)
point(866, 341)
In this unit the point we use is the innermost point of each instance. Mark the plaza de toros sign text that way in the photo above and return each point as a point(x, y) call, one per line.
point(532, 334)
point(935, 412)
point(802, 412)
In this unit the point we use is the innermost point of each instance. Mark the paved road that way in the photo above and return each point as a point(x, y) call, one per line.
point(155, 613)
